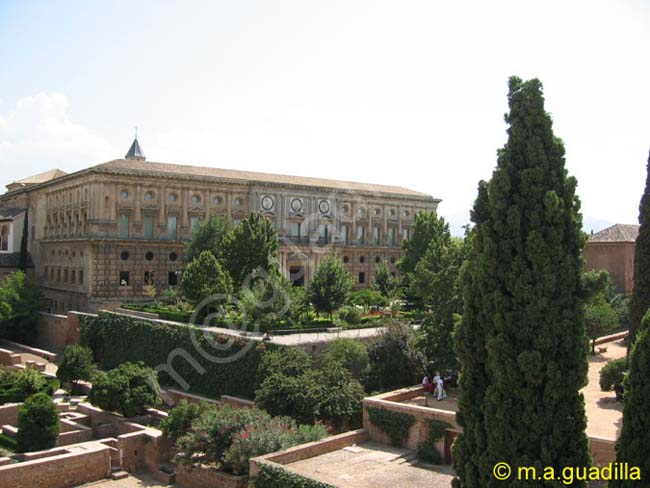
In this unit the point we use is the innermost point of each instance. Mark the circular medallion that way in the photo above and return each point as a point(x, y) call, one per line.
point(267, 202)
point(296, 204)
point(324, 206)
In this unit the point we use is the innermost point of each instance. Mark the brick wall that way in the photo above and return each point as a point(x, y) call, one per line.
point(207, 477)
point(73, 468)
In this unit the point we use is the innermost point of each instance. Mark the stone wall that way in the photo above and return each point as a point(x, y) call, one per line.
point(72, 468)
point(603, 450)
point(53, 332)
point(9, 414)
point(615, 257)
point(419, 430)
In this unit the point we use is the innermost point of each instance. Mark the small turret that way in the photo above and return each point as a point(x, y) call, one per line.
point(135, 151)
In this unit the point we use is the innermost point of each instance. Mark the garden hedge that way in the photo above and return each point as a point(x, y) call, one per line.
point(116, 339)
point(270, 476)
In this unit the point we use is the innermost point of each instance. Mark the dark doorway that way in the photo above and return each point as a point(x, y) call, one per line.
point(297, 275)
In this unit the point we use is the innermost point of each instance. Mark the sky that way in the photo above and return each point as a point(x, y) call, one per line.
point(408, 93)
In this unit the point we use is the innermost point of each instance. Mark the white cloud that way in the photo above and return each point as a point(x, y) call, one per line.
point(37, 135)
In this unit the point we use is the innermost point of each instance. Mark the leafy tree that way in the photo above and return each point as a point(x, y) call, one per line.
point(350, 353)
point(641, 292)
point(180, 418)
point(268, 301)
point(38, 424)
point(600, 318)
point(524, 308)
point(383, 281)
point(250, 246)
point(128, 389)
point(22, 298)
point(289, 362)
point(329, 394)
point(394, 358)
point(76, 364)
point(634, 441)
point(207, 236)
point(436, 280)
point(426, 227)
point(204, 277)
point(330, 286)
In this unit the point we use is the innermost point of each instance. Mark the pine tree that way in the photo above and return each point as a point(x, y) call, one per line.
point(641, 292)
point(634, 442)
point(523, 324)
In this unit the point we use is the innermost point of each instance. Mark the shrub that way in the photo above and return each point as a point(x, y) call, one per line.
point(38, 424)
point(230, 437)
point(368, 298)
point(275, 434)
point(612, 376)
point(128, 389)
point(350, 315)
point(330, 395)
point(180, 418)
point(76, 365)
point(352, 354)
point(276, 476)
point(287, 361)
point(426, 450)
point(18, 384)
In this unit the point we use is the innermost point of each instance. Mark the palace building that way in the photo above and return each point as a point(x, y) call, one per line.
point(99, 236)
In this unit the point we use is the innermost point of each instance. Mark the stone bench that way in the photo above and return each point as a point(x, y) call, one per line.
point(10, 431)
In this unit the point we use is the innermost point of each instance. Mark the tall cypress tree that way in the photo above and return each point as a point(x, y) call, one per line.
point(641, 292)
point(523, 325)
point(634, 442)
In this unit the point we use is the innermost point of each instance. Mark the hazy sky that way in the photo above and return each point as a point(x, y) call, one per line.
point(400, 92)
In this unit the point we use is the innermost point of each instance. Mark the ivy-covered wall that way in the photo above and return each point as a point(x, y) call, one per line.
point(116, 339)
point(277, 477)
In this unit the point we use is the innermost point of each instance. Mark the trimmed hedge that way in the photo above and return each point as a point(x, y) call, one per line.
point(116, 339)
point(270, 476)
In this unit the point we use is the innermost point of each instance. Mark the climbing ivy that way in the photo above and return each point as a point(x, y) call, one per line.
point(435, 431)
point(395, 424)
point(116, 339)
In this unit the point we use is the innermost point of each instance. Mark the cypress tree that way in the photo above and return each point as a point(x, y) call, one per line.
point(522, 343)
point(641, 292)
point(634, 442)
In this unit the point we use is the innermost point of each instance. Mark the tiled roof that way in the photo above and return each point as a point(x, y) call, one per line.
point(41, 177)
point(10, 213)
point(616, 233)
point(144, 168)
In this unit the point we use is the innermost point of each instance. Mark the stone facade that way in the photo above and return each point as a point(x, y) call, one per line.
point(612, 249)
point(100, 235)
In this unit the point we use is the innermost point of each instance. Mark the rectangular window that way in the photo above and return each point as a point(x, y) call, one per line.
point(194, 222)
point(345, 234)
point(74, 276)
point(406, 233)
point(376, 235)
point(294, 229)
point(362, 278)
point(171, 227)
point(81, 277)
point(125, 224)
point(45, 276)
point(391, 236)
point(148, 226)
point(172, 278)
point(124, 278)
point(58, 275)
point(361, 234)
point(148, 278)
